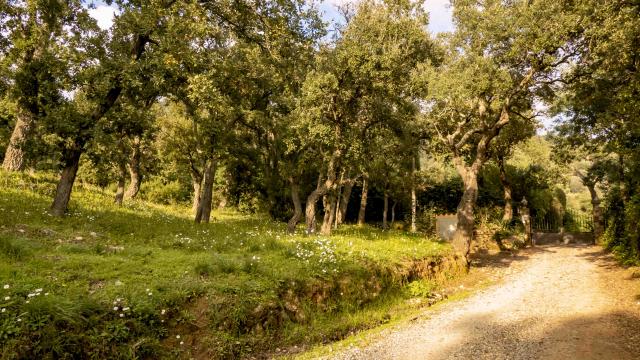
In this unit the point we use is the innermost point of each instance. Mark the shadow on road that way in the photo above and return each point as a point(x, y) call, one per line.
point(503, 259)
point(612, 335)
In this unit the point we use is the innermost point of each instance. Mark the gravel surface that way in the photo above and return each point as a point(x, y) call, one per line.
point(570, 302)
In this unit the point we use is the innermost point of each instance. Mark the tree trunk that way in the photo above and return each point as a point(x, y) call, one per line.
point(414, 198)
point(203, 214)
point(338, 200)
point(393, 213)
point(344, 202)
point(385, 211)
point(326, 186)
point(297, 206)
point(506, 186)
point(134, 171)
point(465, 213)
point(67, 178)
point(196, 183)
point(329, 213)
point(363, 200)
point(14, 156)
point(122, 172)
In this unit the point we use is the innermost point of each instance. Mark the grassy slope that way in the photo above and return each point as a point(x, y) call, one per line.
point(126, 281)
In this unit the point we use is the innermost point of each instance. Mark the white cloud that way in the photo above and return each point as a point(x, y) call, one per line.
point(104, 15)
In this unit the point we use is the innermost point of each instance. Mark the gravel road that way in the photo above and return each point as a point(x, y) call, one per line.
point(570, 302)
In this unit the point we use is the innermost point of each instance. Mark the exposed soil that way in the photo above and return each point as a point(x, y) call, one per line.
point(552, 302)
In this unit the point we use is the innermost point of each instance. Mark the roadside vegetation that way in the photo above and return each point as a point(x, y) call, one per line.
point(141, 281)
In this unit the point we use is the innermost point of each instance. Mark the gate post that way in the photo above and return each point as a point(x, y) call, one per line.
point(598, 225)
point(526, 221)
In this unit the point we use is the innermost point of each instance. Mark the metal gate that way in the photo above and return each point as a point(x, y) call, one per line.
point(572, 227)
point(571, 221)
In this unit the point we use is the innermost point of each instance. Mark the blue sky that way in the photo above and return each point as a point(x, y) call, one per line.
point(439, 11)
point(439, 21)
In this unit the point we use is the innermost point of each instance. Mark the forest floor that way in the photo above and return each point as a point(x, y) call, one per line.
point(551, 302)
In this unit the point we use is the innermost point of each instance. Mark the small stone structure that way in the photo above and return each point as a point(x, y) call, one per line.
point(526, 221)
point(446, 226)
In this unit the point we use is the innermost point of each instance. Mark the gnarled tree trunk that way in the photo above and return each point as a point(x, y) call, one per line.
point(506, 186)
point(297, 206)
point(122, 172)
point(196, 184)
point(329, 213)
point(344, 202)
point(134, 171)
point(363, 200)
point(71, 162)
point(465, 211)
point(324, 188)
point(203, 214)
point(14, 156)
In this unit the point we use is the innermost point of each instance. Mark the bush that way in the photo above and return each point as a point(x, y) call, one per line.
point(172, 192)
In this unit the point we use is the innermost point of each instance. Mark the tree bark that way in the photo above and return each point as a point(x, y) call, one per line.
point(297, 206)
point(329, 213)
point(393, 213)
point(465, 211)
point(134, 171)
point(326, 186)
point(196, 183)
point(14, 156)
point(385, 211)
point(67, 178)
point(506, 186)
point(344, 202)
point(363, 200)
point(203, 214)
point(414, 198)
point(122, 171)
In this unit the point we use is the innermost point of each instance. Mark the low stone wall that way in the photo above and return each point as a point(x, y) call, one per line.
point(541, 238)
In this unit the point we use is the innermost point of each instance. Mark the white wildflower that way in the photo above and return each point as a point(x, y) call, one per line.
point(177, 336)
point(6, 286)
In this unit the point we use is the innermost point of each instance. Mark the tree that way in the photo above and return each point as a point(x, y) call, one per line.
point(359, 83)
point(47, 47)
point(499, 55)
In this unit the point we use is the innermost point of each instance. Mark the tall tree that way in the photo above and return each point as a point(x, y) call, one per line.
point(499, 55)
point(361, 82)
point(48, 45)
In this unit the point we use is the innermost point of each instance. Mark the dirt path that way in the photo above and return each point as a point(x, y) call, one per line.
point(554, 303)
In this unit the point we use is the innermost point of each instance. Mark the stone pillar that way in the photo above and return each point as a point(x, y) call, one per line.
point(526, 221)
point(598, 221)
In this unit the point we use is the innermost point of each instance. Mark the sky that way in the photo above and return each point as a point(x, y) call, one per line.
point(439, 10)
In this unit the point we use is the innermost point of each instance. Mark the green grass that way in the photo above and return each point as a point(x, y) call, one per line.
point(125, 282)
